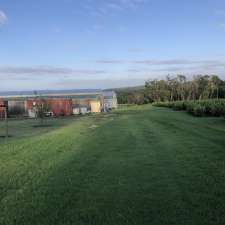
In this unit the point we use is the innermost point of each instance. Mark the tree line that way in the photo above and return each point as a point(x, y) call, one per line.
point(175, 89)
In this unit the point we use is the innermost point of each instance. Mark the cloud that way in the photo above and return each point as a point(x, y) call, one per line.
point(158, 68)
point(56, 30)
point(114, 6)
point(103, 61)
point(99, 83)
point(135, 70)
point(137, 50)
point(3, 18)
point(201, 69)
point(111, 6)
point(131, 3)
point(45, 70)
point(220, 12)
point(175, 62)
point(161, 62)
point(130, 73)
point(222, 25)
point(124, 4)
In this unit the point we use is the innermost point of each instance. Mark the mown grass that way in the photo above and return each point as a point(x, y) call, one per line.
point(21, 128)
point(143, 165)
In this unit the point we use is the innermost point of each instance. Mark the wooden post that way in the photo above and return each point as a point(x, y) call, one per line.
point(6, 120)
point(6, 123)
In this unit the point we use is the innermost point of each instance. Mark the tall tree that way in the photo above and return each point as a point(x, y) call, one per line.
point(214, 85)
point(181, 87)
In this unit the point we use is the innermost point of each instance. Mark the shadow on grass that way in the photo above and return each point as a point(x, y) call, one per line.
point(42, 125)
point(4, 136)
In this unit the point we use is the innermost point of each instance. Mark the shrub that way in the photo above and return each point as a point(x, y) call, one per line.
point(179, 106)
point(161, 104)
point(190, 107)
point(198, 108)
point(217, 109)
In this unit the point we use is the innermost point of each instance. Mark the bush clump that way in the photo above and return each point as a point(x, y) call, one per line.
point(210, 107)
point(199, 110)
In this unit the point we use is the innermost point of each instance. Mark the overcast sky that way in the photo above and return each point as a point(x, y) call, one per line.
point(64, 44)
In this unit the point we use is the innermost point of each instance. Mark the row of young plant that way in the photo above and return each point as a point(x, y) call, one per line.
point(198, 107)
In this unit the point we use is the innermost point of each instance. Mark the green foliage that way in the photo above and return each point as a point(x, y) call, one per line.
point(190, 107)
point(178, 88)
point(181, 89)
point(217, 108)
point(131, 96)
point(42, 108)
point(174, 89)
point(179, 105)
point(21, 128)
point(197, 108)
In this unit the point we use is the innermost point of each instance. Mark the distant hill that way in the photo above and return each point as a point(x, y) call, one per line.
point(46, 92)
point(130, 95)
point(127, 89)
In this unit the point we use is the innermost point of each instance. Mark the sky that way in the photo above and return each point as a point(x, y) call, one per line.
point(78, 44)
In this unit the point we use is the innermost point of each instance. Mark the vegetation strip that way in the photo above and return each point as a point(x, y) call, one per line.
point(197, 108)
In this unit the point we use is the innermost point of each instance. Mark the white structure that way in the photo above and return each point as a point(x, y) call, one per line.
point(95, 106)
point(76, 111)
point(83, 110)
point(110, 100)
point(31, 113)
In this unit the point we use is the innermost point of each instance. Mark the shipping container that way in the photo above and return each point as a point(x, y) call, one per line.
point(57, 107)
point(3, 108)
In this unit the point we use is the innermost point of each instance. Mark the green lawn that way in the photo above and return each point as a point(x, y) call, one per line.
point(31, 127)
point(141, 165)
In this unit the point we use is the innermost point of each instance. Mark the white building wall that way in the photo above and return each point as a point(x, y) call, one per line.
point(110, 100)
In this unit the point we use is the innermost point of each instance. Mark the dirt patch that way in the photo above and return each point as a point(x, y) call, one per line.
point(93, 126)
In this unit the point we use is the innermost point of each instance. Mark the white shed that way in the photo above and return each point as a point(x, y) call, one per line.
point(110, 100)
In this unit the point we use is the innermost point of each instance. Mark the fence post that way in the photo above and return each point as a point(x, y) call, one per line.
point(4, 109)
point(6, 123)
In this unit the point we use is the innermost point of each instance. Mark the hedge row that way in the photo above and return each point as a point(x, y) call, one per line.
point(197, 108)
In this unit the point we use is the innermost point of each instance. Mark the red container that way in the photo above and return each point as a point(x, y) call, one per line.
point(59, 107)
point(3, 105)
